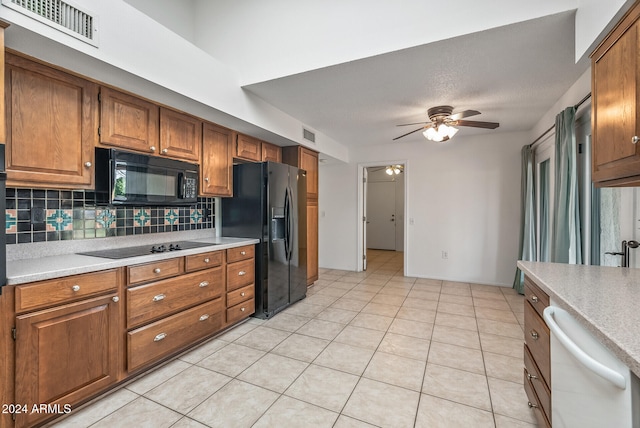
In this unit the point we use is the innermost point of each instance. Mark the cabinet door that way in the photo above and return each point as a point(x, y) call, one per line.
point(616, 116)
point(216, 178)
point(309, 162)
point(66, 354)
point(248, 148)
point(51, 126)
point(180, 135)
point(128, 122)
point(271, 153)
point(312, 242)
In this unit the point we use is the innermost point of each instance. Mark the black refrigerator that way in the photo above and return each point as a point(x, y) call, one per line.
point(269, 203)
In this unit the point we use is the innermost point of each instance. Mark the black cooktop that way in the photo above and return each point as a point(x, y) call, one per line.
point(123, 253)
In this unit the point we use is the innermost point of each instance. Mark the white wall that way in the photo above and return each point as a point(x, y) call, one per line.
point(463, 197)
point(178, 16)
point(276, 38)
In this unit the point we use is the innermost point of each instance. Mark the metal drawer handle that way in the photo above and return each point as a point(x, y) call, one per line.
point(635, 139)
point(88, 164)
point(207, 260)
point(242, 294)
point(165, 151)
point(534, 298)
point(75, 288)
point(156, 270)
point(531, 377)
point(116, 299)
point(242, 273)
point(534, 334)
point(243, 253)
point(204, 317)
point(159, 297)
point(531, 405)
point(242, 309)
point(152, 148)
point(204, 284)
point(159, 337)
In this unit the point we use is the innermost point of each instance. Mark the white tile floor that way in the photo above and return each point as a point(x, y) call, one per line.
point(362, 350)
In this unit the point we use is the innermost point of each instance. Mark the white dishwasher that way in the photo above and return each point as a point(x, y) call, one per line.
point(590, 387)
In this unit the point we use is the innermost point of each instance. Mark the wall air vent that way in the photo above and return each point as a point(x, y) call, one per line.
point(308, 135)
point(59, 15)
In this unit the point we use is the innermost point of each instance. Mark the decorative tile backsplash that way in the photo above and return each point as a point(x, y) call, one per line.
point(36, 215)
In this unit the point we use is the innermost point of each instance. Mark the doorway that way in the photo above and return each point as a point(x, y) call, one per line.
point(381, 210)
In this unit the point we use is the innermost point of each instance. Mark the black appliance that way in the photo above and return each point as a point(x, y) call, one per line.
point(144, 250)
point(269, 203)
point(3, 206)
point(125, 178)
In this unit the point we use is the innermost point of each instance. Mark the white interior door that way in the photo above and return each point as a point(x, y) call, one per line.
point(381, 215)
point(365, 179)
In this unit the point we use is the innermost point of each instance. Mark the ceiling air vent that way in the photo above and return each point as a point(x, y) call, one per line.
point(59, 15)
point(308, 135)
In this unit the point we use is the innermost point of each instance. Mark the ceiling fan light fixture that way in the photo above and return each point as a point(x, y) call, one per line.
point(389, 170)
point(393, 169)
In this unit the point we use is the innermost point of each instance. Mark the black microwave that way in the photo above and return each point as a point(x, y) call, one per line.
point(126, 178)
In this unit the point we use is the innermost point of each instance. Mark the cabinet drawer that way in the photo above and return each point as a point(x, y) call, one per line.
point(204, 260)
point(534, 404)
point(241, 311)
point(53, 292)
point(535, 296)
point(138, 274)
point(161, 338)
point(536, 336)
point(152, 301)
point(240, 295)
point(240, 274)
point(240, 253)
point(541, 388)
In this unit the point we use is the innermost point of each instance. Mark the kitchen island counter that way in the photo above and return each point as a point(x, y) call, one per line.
point(603, 299)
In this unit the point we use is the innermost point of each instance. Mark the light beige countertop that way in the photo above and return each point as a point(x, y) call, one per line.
point(605, 300)
point(36, 266)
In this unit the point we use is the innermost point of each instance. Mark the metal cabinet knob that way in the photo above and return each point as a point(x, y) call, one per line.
point(243, 253)
point(242, 273)
point(165, 151)
point(534, 298)
point(76, 288)
point(531, 405)
point(534, 334)
point(242, 294)
point(152, 148)
point(204, 284)
point(116, 299)
point(87, 164)
point(530, 376)
point(156, 270)
point(158, 297)
point(242, 309)
point(159, 337)
point(207, 260)
point(635, 139)
point(204, 317)
point(206, 179)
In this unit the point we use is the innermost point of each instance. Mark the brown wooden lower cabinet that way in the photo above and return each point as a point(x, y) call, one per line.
point(65, 354)
point(79, 344)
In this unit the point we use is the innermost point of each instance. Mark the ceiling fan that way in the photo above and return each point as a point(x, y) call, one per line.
point(440, 126)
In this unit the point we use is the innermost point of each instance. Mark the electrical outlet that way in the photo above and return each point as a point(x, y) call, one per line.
point(445, 254)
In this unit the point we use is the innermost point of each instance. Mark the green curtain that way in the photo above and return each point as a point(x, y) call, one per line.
point(527, 215)
point(566, 243)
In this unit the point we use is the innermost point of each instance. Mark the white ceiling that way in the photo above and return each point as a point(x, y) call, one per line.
point(511, 74)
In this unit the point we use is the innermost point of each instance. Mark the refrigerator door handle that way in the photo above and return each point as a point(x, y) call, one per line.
point(286, 223)
point(290, 224)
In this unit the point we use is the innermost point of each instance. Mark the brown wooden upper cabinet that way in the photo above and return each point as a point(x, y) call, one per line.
point(128, 122)
point(180, 135)
point(216, 166)
point(248, 148)
point(615, 68)
point(52, 121)
point(271, 152)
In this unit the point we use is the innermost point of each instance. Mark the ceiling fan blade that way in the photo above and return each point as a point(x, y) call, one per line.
point(417, 123)
point(463, 114)
point(409, 133)
point(476, 124)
